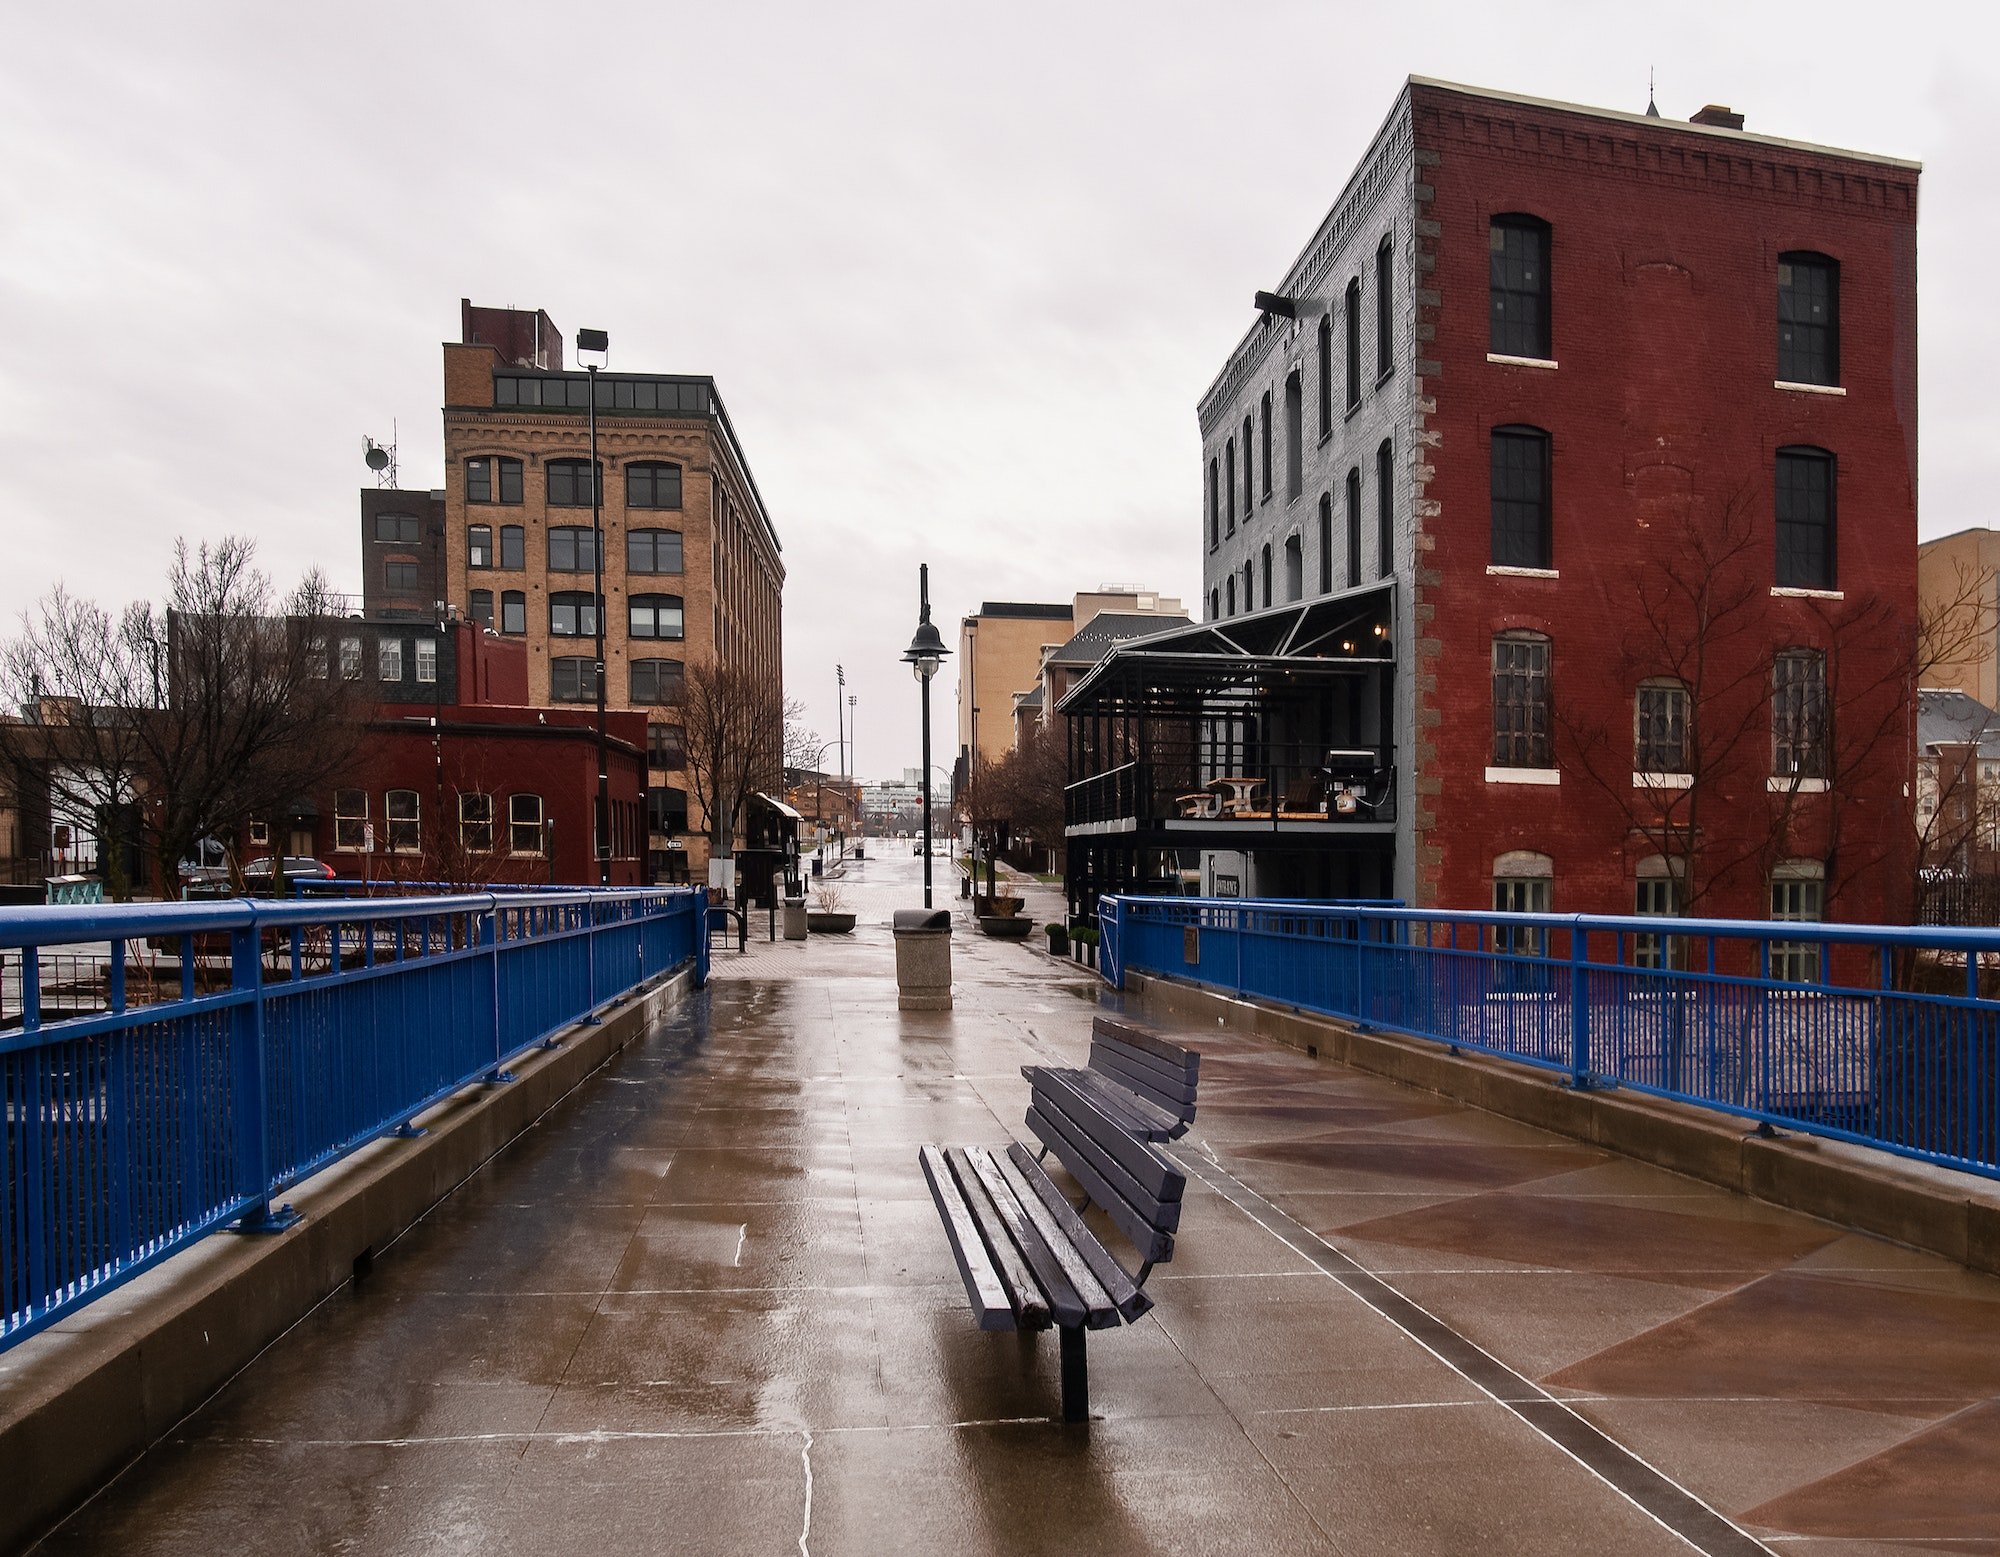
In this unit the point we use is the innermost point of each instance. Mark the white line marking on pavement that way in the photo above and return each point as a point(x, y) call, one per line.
point(806, 1458)
point(741, 1233)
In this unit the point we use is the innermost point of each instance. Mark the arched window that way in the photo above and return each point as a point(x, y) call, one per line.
point(657, 681)
point(1249, 588)
point(569, 483)
point(1521, 701)
point(572, 679)
point(1264, 434)
point(1325, 543)
point(479, 546)
point(1214, 508)
point(1249, 459)
point(653, 551)
point(492, 479)
point(656, 616)
point(1295, 439)
point(482, 607)
point(1325, 364)
point(1265, 559)
point(475, 822)
point(524, 824)
point(1230, 583)
point(1354, 527)
point(1295, 568)
point(1229, 480)
point(1656, 892)
point(1804, 500)
point(403, 809)
point(1523, 883)
point(652, 484)
point(1808, 319)
point(1354, 343)
point(513, 611)
point(1385, 327)
point(1518, 287)
point(1214, 604)
point(572, 614)
point(1798, 715)
point(513, 547)
point(1521, 509)
point(1798, 894)
point(1385, 509)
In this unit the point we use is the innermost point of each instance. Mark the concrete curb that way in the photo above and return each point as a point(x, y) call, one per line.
point(83, 1399)
point(1938, 1210)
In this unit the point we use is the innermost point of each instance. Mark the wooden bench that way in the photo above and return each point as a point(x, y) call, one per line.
point(1028, 1260)
point(1136, 1075)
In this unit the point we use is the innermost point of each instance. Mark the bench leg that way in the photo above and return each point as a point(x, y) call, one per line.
point(1075, 1376)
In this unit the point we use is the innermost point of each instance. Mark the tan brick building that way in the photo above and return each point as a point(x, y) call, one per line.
point(692, 564)
point(1958, 595)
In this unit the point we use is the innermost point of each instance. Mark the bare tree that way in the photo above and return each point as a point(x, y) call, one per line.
point(219, 707)
point(734, 724)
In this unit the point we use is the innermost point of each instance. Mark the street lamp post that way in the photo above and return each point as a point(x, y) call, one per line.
point(598, 342)
point(925, 653)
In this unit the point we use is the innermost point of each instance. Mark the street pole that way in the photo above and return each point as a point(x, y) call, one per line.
point(597, 618)
point(840, 715)
point(925, 653)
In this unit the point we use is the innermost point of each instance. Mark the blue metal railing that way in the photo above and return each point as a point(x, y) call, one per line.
point(1889, 1037)
point(228, 1050)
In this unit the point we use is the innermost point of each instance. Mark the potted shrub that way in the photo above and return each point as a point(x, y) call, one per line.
point(1058, 939)
point(1084, 938)
point(829, 914)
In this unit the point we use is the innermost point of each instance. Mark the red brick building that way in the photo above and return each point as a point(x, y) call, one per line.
point(1575, 456)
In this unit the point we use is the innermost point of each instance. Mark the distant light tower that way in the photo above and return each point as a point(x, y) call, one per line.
point(925, 653)
point(852, 700)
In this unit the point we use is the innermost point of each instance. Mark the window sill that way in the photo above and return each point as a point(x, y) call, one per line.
point(1779, 785)
point(1353, 411)
point(1384, 376)
point(1808, 389)
point(1524, 775)
point(1663, 781)
point(1496, 570)
point(1521, 362)
point(1326, 437)
point(1783, 592)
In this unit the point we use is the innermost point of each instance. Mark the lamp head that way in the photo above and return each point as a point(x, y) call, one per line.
point(926, 651)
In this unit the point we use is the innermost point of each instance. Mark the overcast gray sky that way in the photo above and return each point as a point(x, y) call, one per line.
point(961, 272)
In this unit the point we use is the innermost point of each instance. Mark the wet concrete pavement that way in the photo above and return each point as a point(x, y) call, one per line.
point(705, 1306)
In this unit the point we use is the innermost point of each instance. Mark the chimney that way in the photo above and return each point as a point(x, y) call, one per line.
point(1717, 116)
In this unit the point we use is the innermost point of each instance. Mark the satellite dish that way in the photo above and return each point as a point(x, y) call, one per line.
point(378, 457)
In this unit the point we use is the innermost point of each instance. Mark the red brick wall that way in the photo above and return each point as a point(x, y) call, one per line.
point(1662, 413)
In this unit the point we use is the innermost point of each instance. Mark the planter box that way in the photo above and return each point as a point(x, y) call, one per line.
point(1006, 927)
point(828, 924)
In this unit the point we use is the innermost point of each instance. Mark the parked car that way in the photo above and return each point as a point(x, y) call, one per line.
point(212, 881)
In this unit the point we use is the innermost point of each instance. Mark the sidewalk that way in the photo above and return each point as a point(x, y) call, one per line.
point(706, 1307)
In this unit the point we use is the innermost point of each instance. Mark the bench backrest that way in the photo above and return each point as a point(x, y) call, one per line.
point(1161, 1072)
point(1138, 1186)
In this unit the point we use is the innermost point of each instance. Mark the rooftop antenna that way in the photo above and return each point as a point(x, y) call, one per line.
point(1652, 108)
point(381, 458)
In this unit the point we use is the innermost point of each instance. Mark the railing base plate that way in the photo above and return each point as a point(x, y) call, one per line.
point(267, 1219)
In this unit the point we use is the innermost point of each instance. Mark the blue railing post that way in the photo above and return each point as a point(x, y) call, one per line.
point(589, 960)
point(1361, 927)
point(489, 934)
point(252, 1089)
point(1579, 1006)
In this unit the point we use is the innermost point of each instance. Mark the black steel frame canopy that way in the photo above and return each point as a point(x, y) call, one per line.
point(1188, 669)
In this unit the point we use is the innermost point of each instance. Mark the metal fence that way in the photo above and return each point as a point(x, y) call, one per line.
point(290, 1034)
point(1885, 1036)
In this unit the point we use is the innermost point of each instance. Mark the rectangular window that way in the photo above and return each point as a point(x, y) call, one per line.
point(403, 810)
point(403, 529)
point(1798, 715)
point(389, 659)
point(524, 824)
point(655, 616)
point(513, 612)
point(479, 546)
point(1808, 319)
point(1657, 897)
point(427, 661)
point(1521, 895)
point(479, 481)
point(1805, 511)
point(652, 551)
point(513, 547)
point(482, 607)
point(1799, 899)
point(350, 820)
point(1661, 736)
point(572, 549)
point(350, 659)
point(475, 823)
point(1521, 736)
point(510, 481)
point(572, 615)
point(1518, 287)
point(399, 577)
point(1520, 494)
point(572, 679)
point(569, 483)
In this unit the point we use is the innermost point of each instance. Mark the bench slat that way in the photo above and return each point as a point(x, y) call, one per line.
point(1031, 1308)
point(1129, 1301)
point(1169, 1088)
point(1149, 1121)
point(1066, 1304)
point(989, 1299)
point(1100, 1312)
point(1151, 1174)
point(1177, 1056)
point(1146, 1222)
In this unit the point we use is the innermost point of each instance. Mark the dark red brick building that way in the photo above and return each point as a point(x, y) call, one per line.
point(1592, 437)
